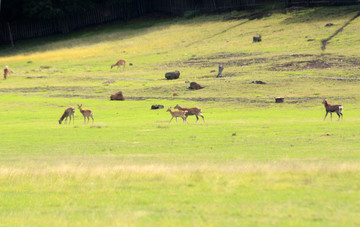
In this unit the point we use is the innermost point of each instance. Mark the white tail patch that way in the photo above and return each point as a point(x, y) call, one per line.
point(340, 108)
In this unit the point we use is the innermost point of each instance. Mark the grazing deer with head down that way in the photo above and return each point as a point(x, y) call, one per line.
point(333, 108)
point(191, 111)
point(177, 114)
point(86, 114)
point(69, 112)
point(119, 63)
point(6, 71)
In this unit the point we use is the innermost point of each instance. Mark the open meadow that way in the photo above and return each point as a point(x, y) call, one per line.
point(253, 162)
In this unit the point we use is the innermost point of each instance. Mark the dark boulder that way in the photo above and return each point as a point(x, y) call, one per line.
point(155, 107)
point(258, 82)
point(279, 99)
point(257, 38)
point(117, 96)
point(195, 86)
point(329, 24)
point(172, 75)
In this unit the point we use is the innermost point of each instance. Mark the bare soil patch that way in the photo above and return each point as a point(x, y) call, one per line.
point(299, 65)
point(288, 62)
point(320, 63)
point(291, 62)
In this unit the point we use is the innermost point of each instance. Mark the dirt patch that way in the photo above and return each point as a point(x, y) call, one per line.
point(232, 59)
point(323, 63)
point(299, 65)
point(290, 62)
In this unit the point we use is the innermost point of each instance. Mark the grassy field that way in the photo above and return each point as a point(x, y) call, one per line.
point(253, 162)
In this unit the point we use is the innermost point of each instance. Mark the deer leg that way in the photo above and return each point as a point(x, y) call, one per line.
point(171, 119)
point(92, 118)
point(338, 115)
point(326, 115)
point(331, 115)
point(202, 117)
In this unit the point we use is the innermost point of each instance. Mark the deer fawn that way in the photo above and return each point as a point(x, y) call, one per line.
point(119, 63)
point(177, 114)
point(6, 71)
point(86, 114)
point(333, 108)
point(68, 113)
point(191, 111)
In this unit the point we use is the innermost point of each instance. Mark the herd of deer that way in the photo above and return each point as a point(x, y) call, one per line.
point(182, 112)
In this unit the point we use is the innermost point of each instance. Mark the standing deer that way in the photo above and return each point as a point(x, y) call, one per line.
point(191, 111)
point(177, 114)
point(6, 71)
point(86, 114)
point(333, 108)
point(119, 63)
point(68, 113)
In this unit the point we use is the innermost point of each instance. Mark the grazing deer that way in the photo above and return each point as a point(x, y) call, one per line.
point(332, 108)
point(191, 111)
point(177, 114)
point(119, 63)
point(6, 71)
point(68, 113)
point(86, 114)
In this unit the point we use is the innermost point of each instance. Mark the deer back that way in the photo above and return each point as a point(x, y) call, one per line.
point(332, 107)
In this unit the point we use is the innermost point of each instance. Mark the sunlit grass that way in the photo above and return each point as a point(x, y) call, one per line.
point(252, 162)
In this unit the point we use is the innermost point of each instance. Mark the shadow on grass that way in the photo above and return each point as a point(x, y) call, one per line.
point(116, 30)
point(303, 15)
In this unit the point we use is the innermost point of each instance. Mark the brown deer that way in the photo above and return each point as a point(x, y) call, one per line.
point(177, 114)
point(68, 113)
point(86, 113)
point(119, 63)
point(6, 71)
point(333, 108)
point(191, 111)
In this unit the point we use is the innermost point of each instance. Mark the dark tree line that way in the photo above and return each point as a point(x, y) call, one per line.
point(18, 10)
point(12, 10)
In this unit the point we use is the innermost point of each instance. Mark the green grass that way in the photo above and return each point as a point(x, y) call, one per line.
point(251, 163)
